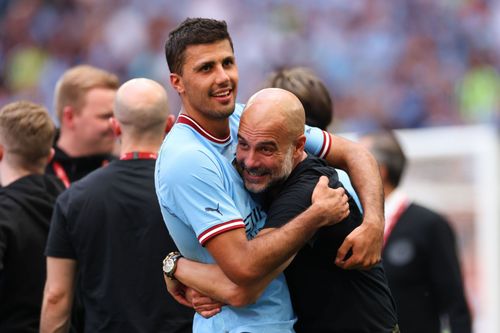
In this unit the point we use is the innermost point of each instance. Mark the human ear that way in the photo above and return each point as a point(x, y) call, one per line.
point(68, 116)
point(176, 82)
point(300, 144)
point(115, 126)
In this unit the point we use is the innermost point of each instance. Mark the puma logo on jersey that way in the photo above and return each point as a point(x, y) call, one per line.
point(216, 209)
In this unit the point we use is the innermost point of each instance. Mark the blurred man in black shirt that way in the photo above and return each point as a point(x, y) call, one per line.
point(27, 198)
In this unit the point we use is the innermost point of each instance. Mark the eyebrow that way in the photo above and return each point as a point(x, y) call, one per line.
point(213, 62)
point(267, 143)
point(199, 66)
point(263, 143)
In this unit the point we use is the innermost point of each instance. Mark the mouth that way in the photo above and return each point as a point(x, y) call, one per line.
point(223, 95)
point(255, 175)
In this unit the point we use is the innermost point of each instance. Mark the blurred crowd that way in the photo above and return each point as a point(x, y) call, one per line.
point(397, 64)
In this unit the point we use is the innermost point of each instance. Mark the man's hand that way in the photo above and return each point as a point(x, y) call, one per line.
point(365, 242)
point(204, 305)
point(177, 290)
point(189, 297)
point(334, 202)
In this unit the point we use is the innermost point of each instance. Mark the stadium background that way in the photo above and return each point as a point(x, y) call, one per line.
point(428, 67)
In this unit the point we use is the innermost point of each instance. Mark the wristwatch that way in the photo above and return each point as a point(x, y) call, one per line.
point(170, 264)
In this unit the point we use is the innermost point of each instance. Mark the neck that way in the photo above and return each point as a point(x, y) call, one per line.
point(9, 174)
point(218, 127)
point(68, 145)
point(151, 146)
point(302, 157)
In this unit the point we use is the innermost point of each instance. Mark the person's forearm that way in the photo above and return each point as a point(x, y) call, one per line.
point(245, 262)
point(58, 295)
point(364, 174)
point(211, 281)
point(55, 315)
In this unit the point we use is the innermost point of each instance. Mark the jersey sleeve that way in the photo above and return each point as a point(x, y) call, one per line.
point(194, 190)
point(59, 243)
point(318, 142)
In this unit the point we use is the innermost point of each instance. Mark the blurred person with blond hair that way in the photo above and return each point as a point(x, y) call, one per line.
point(27, 198)
point(419, 254)
point(84, 104)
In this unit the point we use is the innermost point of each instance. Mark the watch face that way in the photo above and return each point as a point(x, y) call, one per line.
point(168, 265)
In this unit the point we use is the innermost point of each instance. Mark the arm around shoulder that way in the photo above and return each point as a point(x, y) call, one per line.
point(366, 240)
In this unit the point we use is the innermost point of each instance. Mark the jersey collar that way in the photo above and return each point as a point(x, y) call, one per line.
point(187, 120)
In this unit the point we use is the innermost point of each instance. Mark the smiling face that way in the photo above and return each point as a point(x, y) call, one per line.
point(264, 159)
point(269, 143)
point(209, 80)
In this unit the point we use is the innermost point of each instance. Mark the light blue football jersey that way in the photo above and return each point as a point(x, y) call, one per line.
point(201, 195)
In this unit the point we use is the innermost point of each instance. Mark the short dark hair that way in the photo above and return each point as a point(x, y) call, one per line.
point(388, 152)
point(193, 31)
point(309, 89)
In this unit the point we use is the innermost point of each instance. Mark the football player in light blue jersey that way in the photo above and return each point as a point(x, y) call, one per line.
point(204, 204)
point(199, 190)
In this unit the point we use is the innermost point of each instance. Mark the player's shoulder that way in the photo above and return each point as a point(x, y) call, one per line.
point(182, 164)
point(428, 219)
point(236, 115)
point(90, 187)
point(425, 213)
point(238, 109)
point(311, 169)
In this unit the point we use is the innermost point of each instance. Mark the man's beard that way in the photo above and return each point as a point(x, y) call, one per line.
point(276, 179)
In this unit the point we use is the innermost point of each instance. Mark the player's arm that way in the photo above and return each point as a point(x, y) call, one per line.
point(366, 240)
point(211, 281)
point(58, 295)
point(199, 184)
point(245, 262)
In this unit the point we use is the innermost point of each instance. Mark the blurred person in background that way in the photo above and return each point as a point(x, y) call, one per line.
point(478, 91)
point(407, 82)
point(419, 254)
point(84, 98)
point(309, 89)
point(317, 101)
point(107, 231)
point(27, 198)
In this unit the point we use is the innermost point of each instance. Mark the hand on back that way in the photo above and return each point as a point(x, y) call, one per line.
point(331, 203)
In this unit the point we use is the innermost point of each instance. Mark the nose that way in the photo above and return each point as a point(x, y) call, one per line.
point(251, 159)
point(221, 75)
